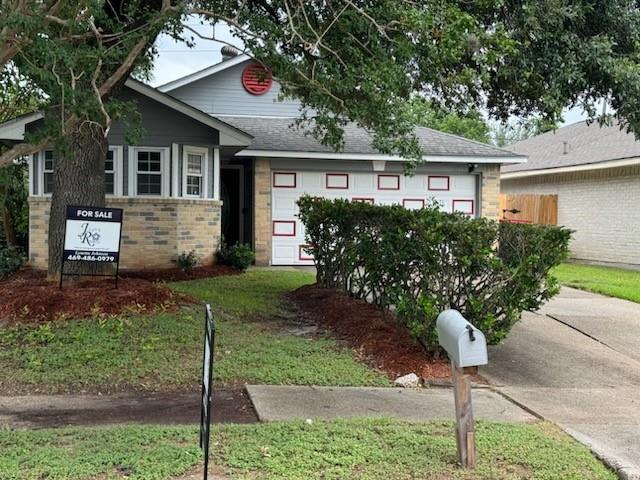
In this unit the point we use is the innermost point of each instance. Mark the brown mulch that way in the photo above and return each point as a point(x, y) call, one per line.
point(177, 275)
point(380, 341)
point(28, 297)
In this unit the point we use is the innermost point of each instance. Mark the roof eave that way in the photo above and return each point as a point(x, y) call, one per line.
point(249, 152)
point(205, 72)
point(623, 162)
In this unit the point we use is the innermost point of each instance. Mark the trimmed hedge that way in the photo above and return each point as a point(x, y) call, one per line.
point(425, 261)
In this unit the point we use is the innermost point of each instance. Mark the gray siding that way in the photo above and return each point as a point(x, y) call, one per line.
point(162, 125)
point(223, 94)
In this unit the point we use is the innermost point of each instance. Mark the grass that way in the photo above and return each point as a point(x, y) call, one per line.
point(361, 449)
point(614, 282)
point(163, 351)
point(258, 291)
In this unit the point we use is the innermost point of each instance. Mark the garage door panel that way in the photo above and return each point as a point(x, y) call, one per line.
point(465, 183)
point(312, 182)
point(415, 184)
point(362, 183)
point(288, 243)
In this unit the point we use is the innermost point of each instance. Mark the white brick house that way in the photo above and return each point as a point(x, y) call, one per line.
point(596, 174)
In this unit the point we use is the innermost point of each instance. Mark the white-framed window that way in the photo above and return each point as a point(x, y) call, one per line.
point(48, 161)
point(148, 171)
point(194, 172)
point(112, 170)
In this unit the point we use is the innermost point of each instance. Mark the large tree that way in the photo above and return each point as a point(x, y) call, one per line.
point(353, 60)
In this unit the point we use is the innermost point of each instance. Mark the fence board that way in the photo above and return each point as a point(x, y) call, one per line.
point(541, 209)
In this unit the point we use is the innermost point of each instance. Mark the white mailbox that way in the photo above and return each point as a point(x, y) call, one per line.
point(464, 343)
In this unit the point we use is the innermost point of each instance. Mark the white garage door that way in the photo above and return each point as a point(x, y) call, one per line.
point(453, 192)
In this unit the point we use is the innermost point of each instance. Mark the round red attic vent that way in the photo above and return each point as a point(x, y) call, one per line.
point(256, 79)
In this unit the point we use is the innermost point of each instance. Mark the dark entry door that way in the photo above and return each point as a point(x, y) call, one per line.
point(232, 196)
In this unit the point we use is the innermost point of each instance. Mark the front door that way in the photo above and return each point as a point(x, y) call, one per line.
point(232, 203)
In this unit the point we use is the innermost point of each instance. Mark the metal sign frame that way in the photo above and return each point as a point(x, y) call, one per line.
point(207, 385)
point(69, 215)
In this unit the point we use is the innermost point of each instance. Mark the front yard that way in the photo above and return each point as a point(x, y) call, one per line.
point(257, 342)
point(362, 449)
point(614, 282)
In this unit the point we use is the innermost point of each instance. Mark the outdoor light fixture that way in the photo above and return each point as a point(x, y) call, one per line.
point(472, 167)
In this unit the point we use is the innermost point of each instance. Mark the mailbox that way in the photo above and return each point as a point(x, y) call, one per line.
point(464, 343)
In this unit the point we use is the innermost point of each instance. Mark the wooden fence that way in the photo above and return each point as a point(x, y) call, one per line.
point(530, 208)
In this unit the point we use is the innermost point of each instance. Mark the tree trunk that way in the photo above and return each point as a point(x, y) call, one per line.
point(78, 179)
point(8, 226)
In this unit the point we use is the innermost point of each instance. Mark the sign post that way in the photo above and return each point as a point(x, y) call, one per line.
point(92, 235)
point(207, 384)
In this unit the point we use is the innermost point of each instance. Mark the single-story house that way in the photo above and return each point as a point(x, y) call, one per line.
point(595, 171)
point(220, 156)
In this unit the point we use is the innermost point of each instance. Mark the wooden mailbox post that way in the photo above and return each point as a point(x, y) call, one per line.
point(467, 348)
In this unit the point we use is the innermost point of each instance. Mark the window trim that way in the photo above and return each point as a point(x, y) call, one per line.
point(41, 157)
point(117, 170)
point(189, 149)
point(164, 170)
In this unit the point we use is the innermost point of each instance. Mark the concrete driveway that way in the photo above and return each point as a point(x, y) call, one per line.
point(576, 362)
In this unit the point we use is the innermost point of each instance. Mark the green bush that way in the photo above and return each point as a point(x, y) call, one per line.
point(187, 261)
point(11, 259)
point(425, 261)
point(239, 256)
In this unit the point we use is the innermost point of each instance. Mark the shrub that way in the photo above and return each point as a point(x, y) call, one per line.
point(187, 261)
point(425, 261)
point(239, 256)
point(11, 259)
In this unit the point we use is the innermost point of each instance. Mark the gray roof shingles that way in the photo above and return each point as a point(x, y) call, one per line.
point(278, 134)
point(585, 144)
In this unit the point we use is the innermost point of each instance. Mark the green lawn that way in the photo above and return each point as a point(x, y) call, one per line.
point(359, 449)
point(614, 282)
point(163, 351)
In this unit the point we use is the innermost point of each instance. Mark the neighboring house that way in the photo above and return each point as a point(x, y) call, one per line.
point(220, 155)
point(596, 174)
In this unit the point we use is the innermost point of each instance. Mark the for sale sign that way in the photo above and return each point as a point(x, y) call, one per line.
point(92, 234)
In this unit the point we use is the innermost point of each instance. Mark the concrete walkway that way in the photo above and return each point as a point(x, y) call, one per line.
point(274, 403)
point(576, 362)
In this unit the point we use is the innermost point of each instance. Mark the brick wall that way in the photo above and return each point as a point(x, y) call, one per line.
point(602, 206)
point(154, 231)
point(262, 210)
point(490, 194)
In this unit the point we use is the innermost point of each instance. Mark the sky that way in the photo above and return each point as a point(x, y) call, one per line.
point(175, 59)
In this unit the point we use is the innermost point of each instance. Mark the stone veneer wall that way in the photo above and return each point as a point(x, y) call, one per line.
point(490, 191)
point(262, 209)
point(154, 230)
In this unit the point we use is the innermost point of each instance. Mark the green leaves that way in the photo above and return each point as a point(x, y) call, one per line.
point(422, 262)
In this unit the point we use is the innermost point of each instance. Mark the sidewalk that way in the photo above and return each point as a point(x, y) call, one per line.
point(273, 403)
point(577, 363)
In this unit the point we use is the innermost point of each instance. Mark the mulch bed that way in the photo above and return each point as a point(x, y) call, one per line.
point(178, 275)
point(381, 342)
point(28, 297)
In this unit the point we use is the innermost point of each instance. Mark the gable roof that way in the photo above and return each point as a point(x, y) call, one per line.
point(279, 137)
point(229, 135)
point(577, 146)
point(14, 130)
point(205, 72)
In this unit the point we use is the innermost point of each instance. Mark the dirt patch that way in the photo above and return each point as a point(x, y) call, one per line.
point(381, 342)
point(28, 297)
point(228, 406)
point(178, 275)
